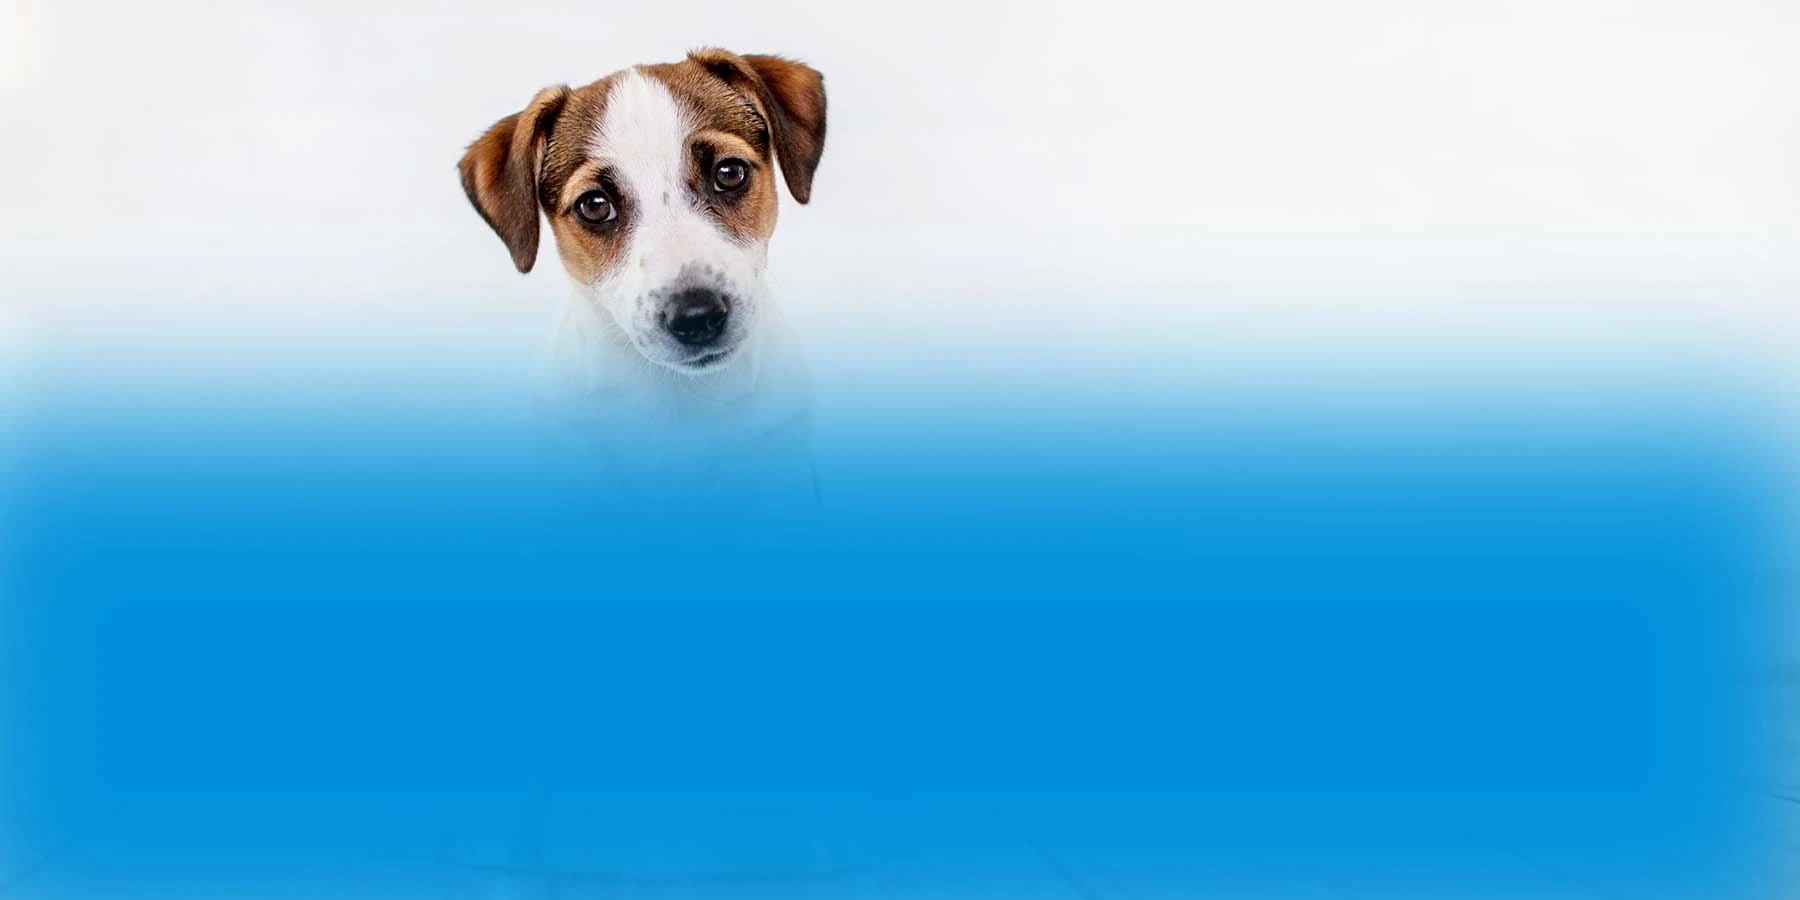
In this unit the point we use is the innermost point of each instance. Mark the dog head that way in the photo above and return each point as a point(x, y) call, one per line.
point(659, 184)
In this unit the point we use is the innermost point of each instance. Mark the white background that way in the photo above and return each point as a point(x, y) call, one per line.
point(1535, 118)
point(1160, 186)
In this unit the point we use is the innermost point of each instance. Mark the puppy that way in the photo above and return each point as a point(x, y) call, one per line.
point(659, 184)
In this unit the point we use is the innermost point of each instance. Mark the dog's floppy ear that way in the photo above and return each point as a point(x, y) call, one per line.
point(793, 94)
point(500, 173)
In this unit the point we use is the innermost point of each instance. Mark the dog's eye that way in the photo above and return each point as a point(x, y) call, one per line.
point(730, 174)
point(595, 207)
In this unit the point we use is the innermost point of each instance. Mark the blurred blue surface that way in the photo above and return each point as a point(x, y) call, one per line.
point(1457, 648)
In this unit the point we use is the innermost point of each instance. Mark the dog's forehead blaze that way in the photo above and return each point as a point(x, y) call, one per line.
point(709, 104)
point(705, 103)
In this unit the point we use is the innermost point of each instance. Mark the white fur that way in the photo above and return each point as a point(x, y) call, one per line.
point(643, 136)
point(616, 378)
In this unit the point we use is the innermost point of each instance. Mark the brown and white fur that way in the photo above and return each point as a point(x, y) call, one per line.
point(669, 352)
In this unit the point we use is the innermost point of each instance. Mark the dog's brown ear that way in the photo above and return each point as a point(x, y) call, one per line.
point(793, 94)
point(500, 173)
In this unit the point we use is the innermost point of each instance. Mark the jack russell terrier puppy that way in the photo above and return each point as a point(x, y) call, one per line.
point(659, 183)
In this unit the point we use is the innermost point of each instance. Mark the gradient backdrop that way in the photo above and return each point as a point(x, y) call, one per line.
point(1284, 449)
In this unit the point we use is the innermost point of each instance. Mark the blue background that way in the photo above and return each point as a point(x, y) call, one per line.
point(1447, 647)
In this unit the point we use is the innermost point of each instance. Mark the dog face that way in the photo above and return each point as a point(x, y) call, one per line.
point(659, 184)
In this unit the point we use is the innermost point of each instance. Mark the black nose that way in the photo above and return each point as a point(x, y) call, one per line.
point(696, 316)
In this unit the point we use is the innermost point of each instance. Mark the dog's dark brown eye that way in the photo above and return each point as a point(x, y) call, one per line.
point(730, 174)
point(595, 207)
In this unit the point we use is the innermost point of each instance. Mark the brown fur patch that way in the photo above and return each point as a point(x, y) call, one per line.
point(500, 173)
point(793, 94)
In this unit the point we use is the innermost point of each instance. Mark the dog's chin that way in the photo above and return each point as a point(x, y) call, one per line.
point(700, 365)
